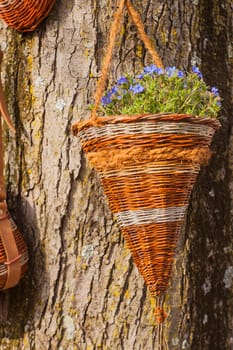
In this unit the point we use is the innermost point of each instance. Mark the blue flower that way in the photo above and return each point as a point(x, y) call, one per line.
point(171, 71)
point(137, 89)
point(219, 104)
point(122, 80)
point(160, 71)
point(196, 70)
point(214, 91)
point(151, 69)
point(113, 90)
point(180, 74)
point(140, 76)
point(106, 100)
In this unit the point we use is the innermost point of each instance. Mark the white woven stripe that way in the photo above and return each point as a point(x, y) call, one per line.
point(118, 129)
point(148, 216)
point(12, 223)
point(153, 169)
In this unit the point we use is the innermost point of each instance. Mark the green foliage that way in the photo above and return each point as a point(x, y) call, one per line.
point(157, 90)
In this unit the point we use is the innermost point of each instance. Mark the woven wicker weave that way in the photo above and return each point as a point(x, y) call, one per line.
point(147, 165)
point(148, 192)
point(22, 248)
point(25, 15)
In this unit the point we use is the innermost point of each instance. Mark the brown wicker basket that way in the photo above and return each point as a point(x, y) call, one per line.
point(21, 259)
point(148, 164)
point(24, 15)
point(13, 250)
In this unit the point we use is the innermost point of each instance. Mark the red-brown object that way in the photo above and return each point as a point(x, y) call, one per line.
point(25, 15)
point(13, 250)
point(148, 164)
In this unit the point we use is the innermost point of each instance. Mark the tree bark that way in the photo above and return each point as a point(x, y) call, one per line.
point(82, 290)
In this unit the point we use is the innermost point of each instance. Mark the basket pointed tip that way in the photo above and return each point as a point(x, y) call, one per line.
point(160, 315)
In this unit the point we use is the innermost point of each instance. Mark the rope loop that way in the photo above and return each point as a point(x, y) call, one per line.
point(115, 28)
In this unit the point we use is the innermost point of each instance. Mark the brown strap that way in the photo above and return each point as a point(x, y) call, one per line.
point(115, 28)
point(6, 234)
point(3, 105)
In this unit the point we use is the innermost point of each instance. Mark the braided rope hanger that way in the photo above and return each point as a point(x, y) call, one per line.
point(115, 28)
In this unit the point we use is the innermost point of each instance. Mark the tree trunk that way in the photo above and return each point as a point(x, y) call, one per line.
point(82, 290)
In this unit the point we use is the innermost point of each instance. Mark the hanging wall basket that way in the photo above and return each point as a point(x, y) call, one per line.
point(25, 15)
point(13, 250)
point(148, 164)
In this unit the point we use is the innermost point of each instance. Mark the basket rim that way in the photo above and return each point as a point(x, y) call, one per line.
point(124, 118)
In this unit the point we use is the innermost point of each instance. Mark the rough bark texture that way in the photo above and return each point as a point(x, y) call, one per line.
point(82, 290)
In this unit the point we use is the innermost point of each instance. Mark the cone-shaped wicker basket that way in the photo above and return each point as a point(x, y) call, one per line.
point(147, 165)
point(25, 15)
point(13, 250)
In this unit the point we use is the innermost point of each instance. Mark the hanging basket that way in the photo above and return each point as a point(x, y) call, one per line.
point(25, 15)
point(148, 164)
point(13, 249)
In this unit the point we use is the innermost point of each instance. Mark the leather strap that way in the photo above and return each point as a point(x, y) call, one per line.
point(6, 233)
point(3, 105)
point(11, 249)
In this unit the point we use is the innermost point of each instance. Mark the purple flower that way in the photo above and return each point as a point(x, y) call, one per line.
point(160, 71)
point(137, 89)
point(196, 70)
point(122, 80)
point(219, 104)
point(214, 91)
point(151, 69)
point(113, 90)
point(171, 71)
point(180, 74)
point(140, 76)
point(106, 100)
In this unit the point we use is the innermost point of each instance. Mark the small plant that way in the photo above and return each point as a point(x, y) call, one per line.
point(156, 90)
